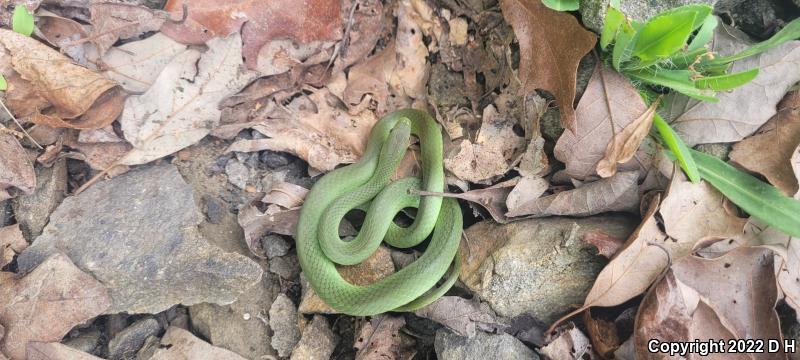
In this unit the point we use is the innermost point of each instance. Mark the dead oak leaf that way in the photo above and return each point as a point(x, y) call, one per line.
point(463, 316)
point(380, 339)
point(739, 112)
point(137, 64)
point(181, 107)
point(16, 169)
point(115, 21)
point(608, 106)
point(623, 146)
point(259, 21)
point(47, 302)
point(551, 44)
point(12, 242)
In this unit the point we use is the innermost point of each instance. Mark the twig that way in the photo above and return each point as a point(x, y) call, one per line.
point(433, 193)
point(20, 126)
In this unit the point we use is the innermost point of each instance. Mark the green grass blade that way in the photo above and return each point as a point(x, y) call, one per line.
point(678, 148)
point(621, 53)
point(3, 84)
point(678, 80)
point(614, 19)
point(704, 35)
point(727, 81)
point(757, 198)
point(22, 21)
point(663, 35)
point(790, 32)
point(561, 5)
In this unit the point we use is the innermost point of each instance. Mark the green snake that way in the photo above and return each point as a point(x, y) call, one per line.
point(368, 183)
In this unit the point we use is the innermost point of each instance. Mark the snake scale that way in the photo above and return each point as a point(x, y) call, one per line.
point(368, 183)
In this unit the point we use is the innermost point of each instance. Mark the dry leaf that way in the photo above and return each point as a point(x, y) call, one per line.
point(136, 65)
point(606, 245)
point(495, 150)
point(115, 21)
point(570, 344)
point(705, 326)
point(101, 155)
point(609, 104)
point(696, 212)
point(47, 302)
point(286, 195)
point(55, 351)
point(62, 33)
point(260, 22)
point(372, 77)
point(16, 169)
point(663, 315)
point(463, 316)
point(623, 146)
point(617, 193)
point(551, 45)
point(12, 242)
point(603, 333)
point(742, 111)
point(314, 129)
point(181, 107)
point(88, 99)
point(769, 151)
point(178, 343)
point(527, 189)
point(257, 224)
point(380, 339)
point(361, 38)
point(22, 97)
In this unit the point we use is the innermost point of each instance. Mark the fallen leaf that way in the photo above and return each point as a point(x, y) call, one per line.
point(260, 22)
point(495, 150)
point(663, 315)
point(623, 146)
point(114, 21)
point(62, 32)
point(360, 38)
point(693, 213)
point(463, 316)
point(493, 198)
point(603, 333)
point(180, 108)
point(769, 151)
point(371, 77)
point(705, 326)
point(22, 97)
point(551, 44)
point(81, 98)
point(609, 105)
point(47, 302)
point(178, 343)
point(12, 242)
point(569, 344)
point(280, 56)
point(617, 193)
point(742, 111)
point(314, 129)
point(527, 189)
point(286, 195)
point(137, 64)
point(606, 245)
point(101, 155)
point(273, 220)
point(16, 169)
point(55, 351)
point(380, 338)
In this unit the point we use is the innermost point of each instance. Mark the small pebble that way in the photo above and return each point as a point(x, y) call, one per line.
point(274, 160)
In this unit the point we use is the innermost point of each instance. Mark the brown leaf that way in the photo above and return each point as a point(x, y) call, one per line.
point(493, 198)
point(47, 303)
point(608, 106)
point(16, 169)
point(623, 146)
point(551, 44)
point(361, 37)
point(257, 224)
point(617, 193)
point(115, 21)
point(603, 334)
point(71, 89)
point(663, 315)
point(606, 245)
point(569, 344)
point(100, 155)
point(62, 33)
point(735, 116)
point(178, 343)
point(696, 212)
point(380, 339)
point(12, 242)
point(22, 97)
point(770, 150)
point(55, 351)
point(706, 325)
point(286, 195)
point(260, 22)
point(463, 316)
point(137, 64)
point(527, 189)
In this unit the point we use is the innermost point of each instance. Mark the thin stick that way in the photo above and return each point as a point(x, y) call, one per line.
point(20, 126)
point(433, 193)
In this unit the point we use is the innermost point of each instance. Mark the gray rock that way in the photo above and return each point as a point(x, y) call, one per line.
point(758, 18)
point(450, 346)
point(85, 341)
point(538, 266)
point(275, 245)
point(238, 173)
point(283, 321)
point(717, 150)
point(137, 235)
point(287, 267)
point(148, 348)
point(594, 11)
point(274, 160)
point(127, 343)
point(33, 211)
point(318, 341)
point(215, 209)
point(5, 213)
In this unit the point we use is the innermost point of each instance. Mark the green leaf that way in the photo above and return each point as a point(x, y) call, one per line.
point(757, 198)
point(621, 52)
point(678, 148)
point(3, 84)
point(614, 19)
point(683, 59)
point(22, 21)
point(727, 81)
point(704, 35)
point(678, 80)
point(668, 32)
point(788, 33)
point(561, 5)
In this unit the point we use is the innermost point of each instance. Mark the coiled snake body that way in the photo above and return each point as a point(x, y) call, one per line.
point(367, 181)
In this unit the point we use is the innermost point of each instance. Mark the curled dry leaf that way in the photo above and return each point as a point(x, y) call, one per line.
point(495, 150)
point(770, 150)
point(551, 45)
point(16, 169)
point(380, 339)
point(741, 111)
point(12, 242)
point(603, 333)
point(606, 244)
point(136, 65)
point(623, 146)
point(81, 98)
point(62, 33)
point(608, 106)
point(260, 22)
point(527, 189)
point(664, 314)
point(286, 195)
point(570, 343)
point(101, 155)
point(316, 130)
point(463, 316)
point(47, 303)
point(257, 224)
point(115, 21)
point(359, 40)
point(493, 198)
point(617, 193)
point(181, 107)
point(55, 351)
point(178, 343)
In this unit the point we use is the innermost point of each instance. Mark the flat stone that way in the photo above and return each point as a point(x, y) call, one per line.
point(539, 267)
point(137, 234)
point(287, 267)
point(318, 341)
point(283, 321)
point(450, 346)
point(127, 342)
point(33, 211)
